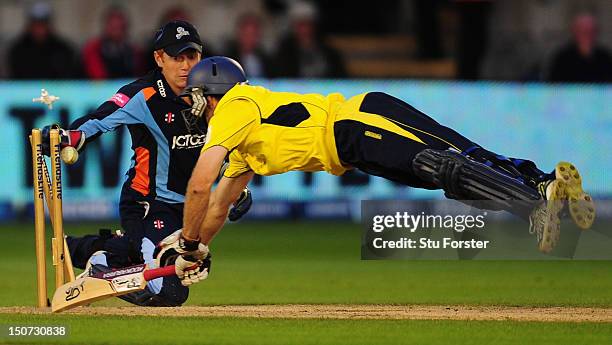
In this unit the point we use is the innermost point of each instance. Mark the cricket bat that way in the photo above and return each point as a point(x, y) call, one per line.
point(106, 284)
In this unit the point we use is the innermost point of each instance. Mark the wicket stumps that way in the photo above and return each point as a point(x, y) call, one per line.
point(50, 189)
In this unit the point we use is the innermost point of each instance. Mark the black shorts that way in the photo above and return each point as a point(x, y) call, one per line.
point(381, 152)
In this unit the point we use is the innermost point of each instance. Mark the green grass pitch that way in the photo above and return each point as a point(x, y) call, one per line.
point(319, 262)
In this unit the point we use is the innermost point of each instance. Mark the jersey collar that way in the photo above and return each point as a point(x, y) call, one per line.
point(163, 88)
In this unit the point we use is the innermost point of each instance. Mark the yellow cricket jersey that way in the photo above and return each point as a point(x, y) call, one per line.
point(275, 132)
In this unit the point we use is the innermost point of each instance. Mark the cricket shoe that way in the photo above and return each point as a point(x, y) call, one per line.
point(90, 268)
point(545, 219)
point(580, 204)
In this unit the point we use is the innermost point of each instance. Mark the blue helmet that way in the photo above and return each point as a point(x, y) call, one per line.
point(215, 75)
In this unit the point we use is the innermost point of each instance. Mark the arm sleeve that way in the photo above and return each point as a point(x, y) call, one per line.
point(123, 108)
point(237, 166)
point(230, 124)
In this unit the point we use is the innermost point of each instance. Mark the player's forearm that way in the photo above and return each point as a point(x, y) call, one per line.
point(226, 194)
point(214, 221)
point(196, 208)
point(199, 190)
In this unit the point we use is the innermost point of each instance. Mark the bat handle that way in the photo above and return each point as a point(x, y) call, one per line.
point(165, 271)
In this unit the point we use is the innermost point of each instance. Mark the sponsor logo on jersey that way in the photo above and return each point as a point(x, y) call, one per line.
point(161, 88)
point(169, 117)
point(180, 32)
point(188, 141)
point(120, 99)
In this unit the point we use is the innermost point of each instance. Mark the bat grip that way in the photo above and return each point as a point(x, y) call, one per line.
point(165, 271)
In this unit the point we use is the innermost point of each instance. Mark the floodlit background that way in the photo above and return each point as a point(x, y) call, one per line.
point(527, 78)
point(523, 78)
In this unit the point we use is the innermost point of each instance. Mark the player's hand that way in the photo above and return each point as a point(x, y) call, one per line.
point(191, 270)
point(175, 245)
point(191, 259)
point(74, 138)
point(241, 206)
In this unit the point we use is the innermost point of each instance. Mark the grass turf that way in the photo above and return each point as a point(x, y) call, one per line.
point(147, 330)
point(276, 263)
point(320, 263)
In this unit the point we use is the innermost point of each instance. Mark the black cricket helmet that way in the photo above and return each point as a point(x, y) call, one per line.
point(214, 75)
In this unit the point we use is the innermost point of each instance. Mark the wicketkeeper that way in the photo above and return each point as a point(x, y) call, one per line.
point(268, 133)
point(166, 146)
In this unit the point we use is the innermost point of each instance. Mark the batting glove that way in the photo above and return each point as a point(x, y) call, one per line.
point(174, 245)
point(190, 270)
point(191, 259)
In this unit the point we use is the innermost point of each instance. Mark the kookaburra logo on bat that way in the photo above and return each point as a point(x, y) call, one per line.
point(74, 292)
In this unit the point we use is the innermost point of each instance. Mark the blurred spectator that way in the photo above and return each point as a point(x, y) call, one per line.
point(303, 53)
point(582, 60)
point(472, 37)
point(427, 19)
point(247, 48)
point(39, 53)
point(112, 55)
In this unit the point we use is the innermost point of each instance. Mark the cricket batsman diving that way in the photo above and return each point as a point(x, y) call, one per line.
point(166, 147)
point(267, 133)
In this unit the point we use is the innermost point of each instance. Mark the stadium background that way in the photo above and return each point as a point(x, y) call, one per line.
point(481, 67)
point(523, 120)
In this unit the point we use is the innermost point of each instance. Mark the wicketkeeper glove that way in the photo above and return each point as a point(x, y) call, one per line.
point(241, 206)
point(74, 138)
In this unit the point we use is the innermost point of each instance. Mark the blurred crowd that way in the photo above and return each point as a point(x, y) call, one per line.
point(39, 52)
point(582, 59)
